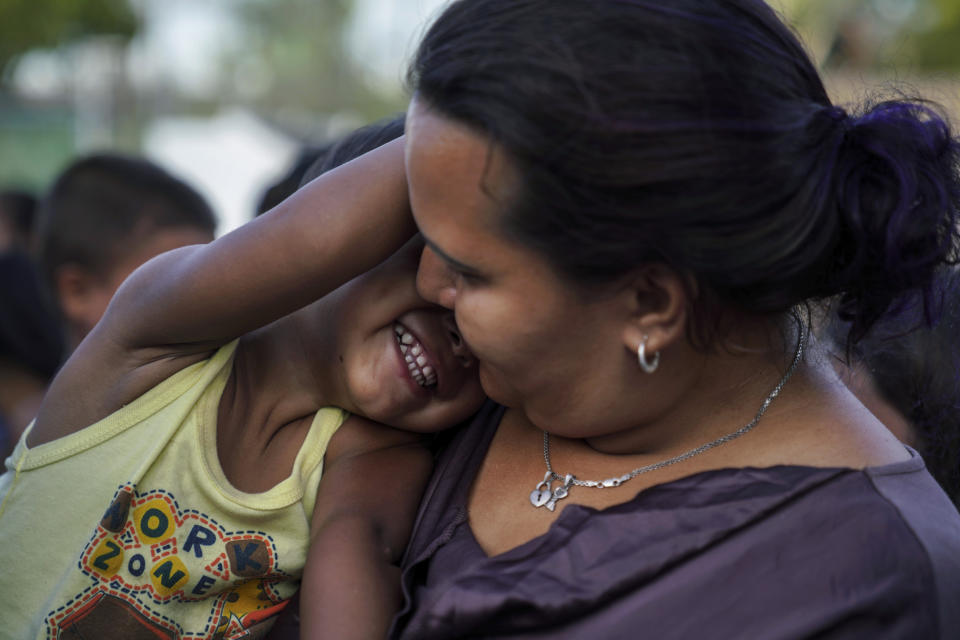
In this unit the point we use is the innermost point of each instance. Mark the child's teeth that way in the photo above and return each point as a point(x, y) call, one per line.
point(412, 352)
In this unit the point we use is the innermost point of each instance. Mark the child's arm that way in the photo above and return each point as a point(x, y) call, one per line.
point(340, 225)
point(181, 305)
point(372, 483)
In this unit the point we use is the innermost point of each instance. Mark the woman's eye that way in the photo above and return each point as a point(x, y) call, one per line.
point(467, 277)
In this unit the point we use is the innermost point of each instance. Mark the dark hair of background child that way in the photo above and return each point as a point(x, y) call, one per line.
point(99, 206)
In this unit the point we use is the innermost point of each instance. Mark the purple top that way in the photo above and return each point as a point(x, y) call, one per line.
point(781, 552)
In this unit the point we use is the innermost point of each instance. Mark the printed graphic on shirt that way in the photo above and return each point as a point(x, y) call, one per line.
point(155, 566)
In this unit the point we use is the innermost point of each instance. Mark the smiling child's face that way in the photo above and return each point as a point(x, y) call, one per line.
point(398, 359)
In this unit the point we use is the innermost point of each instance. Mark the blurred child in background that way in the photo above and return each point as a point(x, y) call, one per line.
point(104, 216)
point(17, 214)
point(31, 345)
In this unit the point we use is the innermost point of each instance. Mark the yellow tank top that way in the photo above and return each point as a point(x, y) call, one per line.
point(129, 528)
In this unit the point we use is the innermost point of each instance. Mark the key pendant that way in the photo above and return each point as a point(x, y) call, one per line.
point(560, 492)
point(542, 494)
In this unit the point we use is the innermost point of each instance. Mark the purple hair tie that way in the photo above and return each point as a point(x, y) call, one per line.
point(839, 115)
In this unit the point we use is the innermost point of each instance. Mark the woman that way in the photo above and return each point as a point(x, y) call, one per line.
point(631, 206)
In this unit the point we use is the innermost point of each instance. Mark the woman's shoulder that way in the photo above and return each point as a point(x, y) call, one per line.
point(887, 538)
point(924, 509)
point(859, 510)
point(839, 548)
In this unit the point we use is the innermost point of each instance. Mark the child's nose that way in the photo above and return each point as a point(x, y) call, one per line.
point(459, 346)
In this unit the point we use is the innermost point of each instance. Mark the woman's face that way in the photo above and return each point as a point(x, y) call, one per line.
point(544, 346)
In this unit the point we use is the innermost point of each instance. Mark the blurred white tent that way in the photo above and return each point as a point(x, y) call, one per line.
point(230, 158)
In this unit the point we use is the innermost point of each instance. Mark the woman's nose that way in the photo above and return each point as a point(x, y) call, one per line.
point(435, 281)
point(460, 349)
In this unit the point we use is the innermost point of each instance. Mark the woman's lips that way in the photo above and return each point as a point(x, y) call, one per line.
point(422, 369)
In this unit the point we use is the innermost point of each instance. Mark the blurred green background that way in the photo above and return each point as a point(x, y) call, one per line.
point(226, 92)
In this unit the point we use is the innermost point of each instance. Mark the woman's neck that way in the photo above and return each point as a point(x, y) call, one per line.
point(726, 395)
point(706, 395)
point(814, 419)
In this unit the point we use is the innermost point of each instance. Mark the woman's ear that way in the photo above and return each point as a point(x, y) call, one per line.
point(659, 297)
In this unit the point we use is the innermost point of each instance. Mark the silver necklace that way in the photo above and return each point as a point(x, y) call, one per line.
point(546, 496)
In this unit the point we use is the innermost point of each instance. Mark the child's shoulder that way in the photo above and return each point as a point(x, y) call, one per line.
point(101, 377)
point(358, 435)
point(373, 473)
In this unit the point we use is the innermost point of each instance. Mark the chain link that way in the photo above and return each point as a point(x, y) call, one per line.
point(616, 482)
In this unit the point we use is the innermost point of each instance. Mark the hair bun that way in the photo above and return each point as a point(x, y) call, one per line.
point(897, 190)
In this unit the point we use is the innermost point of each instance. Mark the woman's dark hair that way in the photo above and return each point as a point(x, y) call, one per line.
point(697, 133)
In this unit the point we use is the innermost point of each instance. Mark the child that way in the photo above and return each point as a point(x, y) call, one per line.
point(104, 216)
point(188, 508)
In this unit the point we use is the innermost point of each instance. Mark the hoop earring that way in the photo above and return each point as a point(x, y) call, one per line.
point(647, 365)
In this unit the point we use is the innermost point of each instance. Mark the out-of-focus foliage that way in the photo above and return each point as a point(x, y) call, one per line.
point(301, 45)
point(938, 45)
point(29, 24)
point(919, 35)
point(817, 21)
